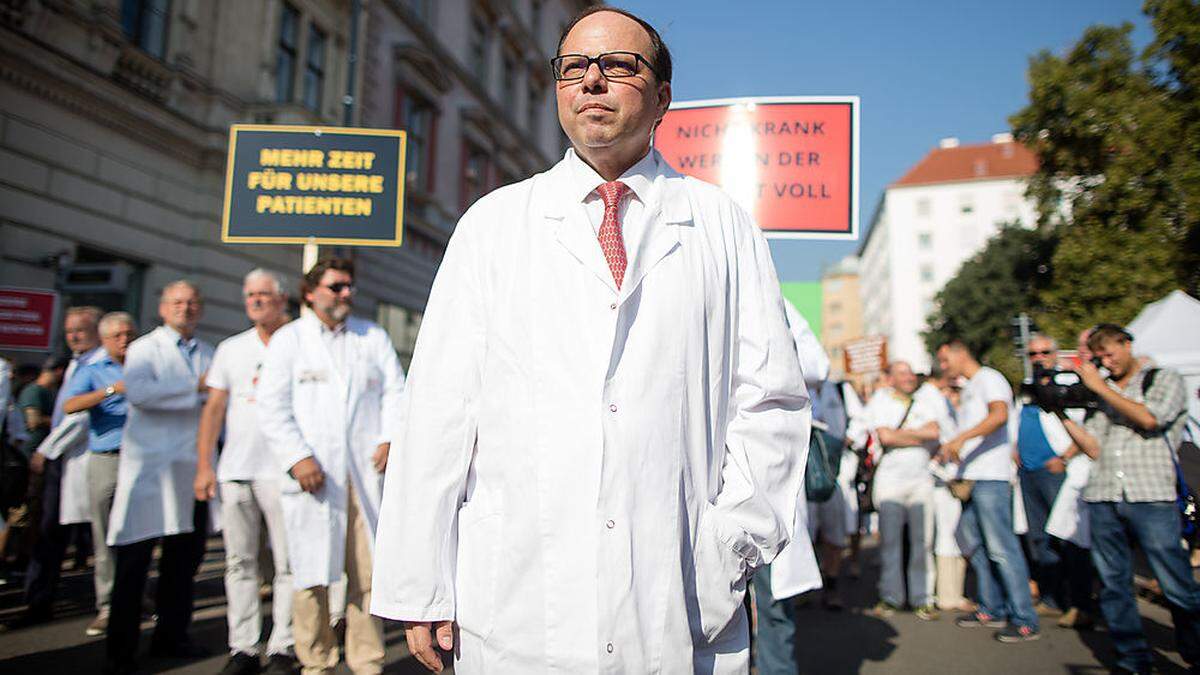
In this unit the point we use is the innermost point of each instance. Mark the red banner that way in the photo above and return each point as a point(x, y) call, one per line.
point(27, 318)
point(791, 162)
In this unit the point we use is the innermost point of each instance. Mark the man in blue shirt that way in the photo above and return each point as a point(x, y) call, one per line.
point(99, 388)
point(1060, 568)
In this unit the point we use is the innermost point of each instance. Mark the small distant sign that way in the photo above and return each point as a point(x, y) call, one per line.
point(866, 356)
point(27, 318)
point(792, 162)
point(297, 184)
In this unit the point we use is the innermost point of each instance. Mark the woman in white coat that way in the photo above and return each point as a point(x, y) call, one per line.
point(328, 404)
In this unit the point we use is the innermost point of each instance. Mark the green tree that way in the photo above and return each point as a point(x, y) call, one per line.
point(992, 287)
point(1118, 139)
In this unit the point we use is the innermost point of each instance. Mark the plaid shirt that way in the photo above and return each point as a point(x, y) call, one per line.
point(1137, 465)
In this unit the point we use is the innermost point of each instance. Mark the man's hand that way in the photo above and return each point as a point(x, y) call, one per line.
point(1056, 465)
point(949, 450)
point(119, 387)
point(1090, 375)
point(380, 458)
point(884, 435)
point(420, 636)
point(308, 473)
point(37, 463)
point(205, 485)
point(202, 385)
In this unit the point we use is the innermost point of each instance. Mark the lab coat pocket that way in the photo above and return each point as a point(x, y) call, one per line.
point(476, 569)
point(720, 579)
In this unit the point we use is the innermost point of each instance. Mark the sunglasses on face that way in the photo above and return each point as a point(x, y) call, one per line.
point(338, 287)
point(1044, 352)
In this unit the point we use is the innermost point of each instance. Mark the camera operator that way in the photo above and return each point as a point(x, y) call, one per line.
point(1131, 491)
point(1060, 568)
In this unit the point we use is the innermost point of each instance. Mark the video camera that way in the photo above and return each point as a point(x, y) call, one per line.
point(1053, 389)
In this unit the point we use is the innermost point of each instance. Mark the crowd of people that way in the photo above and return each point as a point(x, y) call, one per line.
point(1044, 495)
point(129, 444)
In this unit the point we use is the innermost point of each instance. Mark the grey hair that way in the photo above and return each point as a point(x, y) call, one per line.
point(112, 318)
point(1043, 336)
point(90, 311)
point(181, 283)
point(260, 273)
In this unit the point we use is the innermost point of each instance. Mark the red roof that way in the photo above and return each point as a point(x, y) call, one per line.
point(971, 162)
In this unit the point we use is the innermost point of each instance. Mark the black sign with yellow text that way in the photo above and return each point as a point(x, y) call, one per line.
point(296, 184)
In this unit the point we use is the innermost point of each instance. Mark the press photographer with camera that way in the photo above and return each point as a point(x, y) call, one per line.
point(1132, 434)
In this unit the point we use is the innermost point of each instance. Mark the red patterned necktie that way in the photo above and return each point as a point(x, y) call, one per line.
point(612, 243)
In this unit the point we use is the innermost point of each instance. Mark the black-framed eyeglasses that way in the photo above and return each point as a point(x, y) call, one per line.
point(571, 67)
point(339, 286)
point(1043, 352)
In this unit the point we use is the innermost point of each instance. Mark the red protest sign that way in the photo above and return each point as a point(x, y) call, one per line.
point(791, 162)
point(27, 318)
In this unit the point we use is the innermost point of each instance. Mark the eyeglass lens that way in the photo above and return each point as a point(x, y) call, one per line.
point(612, 64)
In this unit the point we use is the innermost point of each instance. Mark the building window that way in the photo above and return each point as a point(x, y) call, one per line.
point(926, 273)
point(922, 207)
point(314, 68)
point(285, 56)
point(966, 204)
point(475, 172)
point(402, 326)
point(477, 46)
point(534, 110)
point(925, 241)
point(422, 8)
point(416, 117)
point(508, 81)
point(535, 21)
point(145, 24)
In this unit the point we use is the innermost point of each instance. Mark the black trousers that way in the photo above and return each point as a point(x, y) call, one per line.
point(45, 562)
point(181, 557)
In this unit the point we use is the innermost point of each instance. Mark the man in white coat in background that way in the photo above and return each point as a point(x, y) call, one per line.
point(604, 428)
point(164, 380)
point(328, 404)
point(248, 478)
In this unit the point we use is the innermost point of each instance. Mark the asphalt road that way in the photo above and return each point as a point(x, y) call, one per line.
point(849, 641)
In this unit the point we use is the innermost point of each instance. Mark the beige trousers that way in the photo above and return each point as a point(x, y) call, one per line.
point(316, 644)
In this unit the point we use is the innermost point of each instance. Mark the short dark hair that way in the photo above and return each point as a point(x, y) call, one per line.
point(660, 56)
point(957, 344)
point(1107, 332)
point(312, 278)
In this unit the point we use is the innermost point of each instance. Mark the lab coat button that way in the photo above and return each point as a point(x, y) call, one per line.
point(610, 524)
point(1120, 474)
point(609, 648)
point(612, 408)
point(613, 306)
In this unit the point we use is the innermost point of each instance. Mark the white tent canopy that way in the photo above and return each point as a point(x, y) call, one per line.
point(1168, 331)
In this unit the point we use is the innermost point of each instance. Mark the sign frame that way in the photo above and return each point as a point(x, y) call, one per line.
point(398, 234)
point(52, 325)
point(855, 145)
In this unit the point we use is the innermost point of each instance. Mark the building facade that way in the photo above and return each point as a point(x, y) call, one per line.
point(114, 118)
point(941, 212)
point(841, 311)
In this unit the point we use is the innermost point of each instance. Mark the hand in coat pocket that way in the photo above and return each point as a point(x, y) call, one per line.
point(308, 473)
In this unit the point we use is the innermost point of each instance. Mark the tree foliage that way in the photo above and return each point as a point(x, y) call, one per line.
point(1117, 135)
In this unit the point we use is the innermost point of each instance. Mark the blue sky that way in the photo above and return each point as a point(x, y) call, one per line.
point(925, 70)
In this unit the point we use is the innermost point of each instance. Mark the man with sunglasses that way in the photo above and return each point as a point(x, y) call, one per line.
point(606, 427)
point(328, 404)
point(1044, 450)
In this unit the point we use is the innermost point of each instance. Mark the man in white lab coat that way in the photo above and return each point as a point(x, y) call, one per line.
point(606, 422)
point(328, 404)
point(164, 377)
point(248, 478)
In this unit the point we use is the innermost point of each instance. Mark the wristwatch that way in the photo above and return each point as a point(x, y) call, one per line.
point(109, 391)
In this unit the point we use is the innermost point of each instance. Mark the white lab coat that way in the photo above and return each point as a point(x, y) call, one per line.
point(154, 496)
point(68, 440)
point(590, 473)
point(307, 407)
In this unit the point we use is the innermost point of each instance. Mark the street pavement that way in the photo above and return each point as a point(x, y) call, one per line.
point(849, 641)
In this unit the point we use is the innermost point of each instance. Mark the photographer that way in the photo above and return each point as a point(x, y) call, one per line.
point(1131, 492)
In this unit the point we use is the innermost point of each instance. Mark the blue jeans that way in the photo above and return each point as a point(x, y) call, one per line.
point(1155, 528)
point(775, 642)
point(1062, 570)
point(1001, 574)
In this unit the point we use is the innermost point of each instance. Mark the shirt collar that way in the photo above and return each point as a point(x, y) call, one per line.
point(326, 330)
point(585, 180)
point(187, 343)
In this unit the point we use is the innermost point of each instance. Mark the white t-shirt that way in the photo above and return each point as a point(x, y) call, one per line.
point(990, 457)
point(901, 464)
point(235, 369)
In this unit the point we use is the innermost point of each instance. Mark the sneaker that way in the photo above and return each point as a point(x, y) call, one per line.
point(281, 664)
point(884, 609)
point(1075, 618)
point(98, 626)
point(927, 613)
point(242, 663)
point(1014, 633)
point(1044, 609)
point(979, 620)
